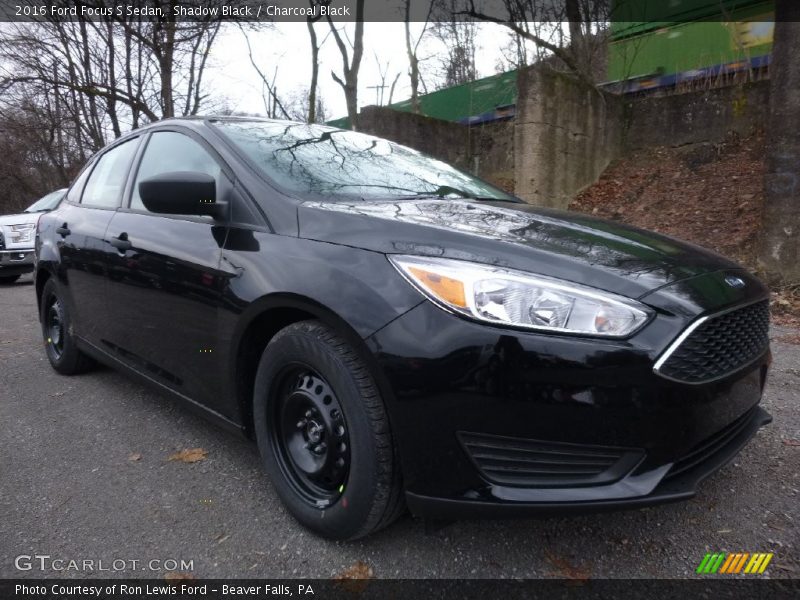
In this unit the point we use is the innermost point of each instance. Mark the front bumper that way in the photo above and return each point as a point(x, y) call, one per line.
point(446, 380)
point(16, 262)
point(667, 488)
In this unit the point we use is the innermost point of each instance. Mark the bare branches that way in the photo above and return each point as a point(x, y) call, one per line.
point(274, 102)
point(580, 15)
point(70, 86)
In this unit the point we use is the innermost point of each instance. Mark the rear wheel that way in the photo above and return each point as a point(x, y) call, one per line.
point(59, 340)
point(323, 434)
point(6, 279)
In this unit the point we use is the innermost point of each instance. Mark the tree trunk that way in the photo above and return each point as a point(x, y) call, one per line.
point(166, 59)
point(576, 39)
point(312, 90)
point(780, 240)
point(413, 62)
point(350, 67)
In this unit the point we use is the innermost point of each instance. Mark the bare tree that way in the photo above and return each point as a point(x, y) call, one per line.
point(580, 53)
point(459, 38)
point(513, 54)
point(68, 86)
point(412, 48)
point(350, 65)
point(179, 49)
point(315, 46)
point(383, 73)
point(297, 104)
point(152, 69)
point(273, 105)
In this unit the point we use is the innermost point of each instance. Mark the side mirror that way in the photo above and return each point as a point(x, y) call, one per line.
point(182, 193)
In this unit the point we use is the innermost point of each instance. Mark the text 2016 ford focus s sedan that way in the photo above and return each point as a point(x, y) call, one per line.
point(394, 332)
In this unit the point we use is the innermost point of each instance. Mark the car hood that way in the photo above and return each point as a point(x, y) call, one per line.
point(19, 219)
point(571, 246)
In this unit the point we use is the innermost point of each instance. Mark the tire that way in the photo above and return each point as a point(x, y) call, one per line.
point(59, 340)
point(312, 390)
point(8, 279)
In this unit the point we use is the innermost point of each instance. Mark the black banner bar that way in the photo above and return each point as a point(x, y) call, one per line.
point(717, 588)
point(642, 11)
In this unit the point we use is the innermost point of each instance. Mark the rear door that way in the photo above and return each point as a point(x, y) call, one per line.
point(164, 279)
point(81, 225)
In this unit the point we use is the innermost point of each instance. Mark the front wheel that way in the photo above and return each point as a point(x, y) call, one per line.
point(324, 435)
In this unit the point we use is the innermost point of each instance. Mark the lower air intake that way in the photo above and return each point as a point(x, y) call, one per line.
point(524, 462)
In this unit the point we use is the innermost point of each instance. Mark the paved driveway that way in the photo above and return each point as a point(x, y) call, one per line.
point(71, 487)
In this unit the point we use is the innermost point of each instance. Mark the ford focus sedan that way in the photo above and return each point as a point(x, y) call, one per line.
point(396, 333)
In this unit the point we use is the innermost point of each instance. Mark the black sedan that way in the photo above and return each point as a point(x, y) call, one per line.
point(394, 332)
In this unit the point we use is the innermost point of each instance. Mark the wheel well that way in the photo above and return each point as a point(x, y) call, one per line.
point(41, 278)
point(259, 333)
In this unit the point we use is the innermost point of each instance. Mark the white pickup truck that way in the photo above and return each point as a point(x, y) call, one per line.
point(18, 234)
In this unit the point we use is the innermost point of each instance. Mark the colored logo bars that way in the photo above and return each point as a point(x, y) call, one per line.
point(732, 563)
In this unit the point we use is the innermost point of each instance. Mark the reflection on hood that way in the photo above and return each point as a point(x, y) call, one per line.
point(561, 244)
point(525, 225)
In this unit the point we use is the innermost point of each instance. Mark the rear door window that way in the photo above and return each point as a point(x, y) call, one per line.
point(107, 181)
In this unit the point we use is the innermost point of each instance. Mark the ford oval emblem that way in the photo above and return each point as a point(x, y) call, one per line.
point(734, 282)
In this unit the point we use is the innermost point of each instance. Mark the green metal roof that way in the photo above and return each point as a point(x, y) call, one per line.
point(461, 101)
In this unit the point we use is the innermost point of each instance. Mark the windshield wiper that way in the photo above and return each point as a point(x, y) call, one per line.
point(445, 190)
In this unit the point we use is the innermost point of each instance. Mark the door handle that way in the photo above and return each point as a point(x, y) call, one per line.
point(63, 231)
point(121, 242)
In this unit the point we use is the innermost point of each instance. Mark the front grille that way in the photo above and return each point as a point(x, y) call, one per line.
point(2, 241)
point(706, 449)
point(720, 345)
point(534, 463)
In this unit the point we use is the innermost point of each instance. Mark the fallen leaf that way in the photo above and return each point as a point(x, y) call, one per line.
point(176, 576)
point(354, 578)
point(565, 570)
point(189, 455)
point(358, 570)
point(135, 457)
point(792, 442)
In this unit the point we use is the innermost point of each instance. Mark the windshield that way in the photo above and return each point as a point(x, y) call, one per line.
point(324, 160)
point(48, 202)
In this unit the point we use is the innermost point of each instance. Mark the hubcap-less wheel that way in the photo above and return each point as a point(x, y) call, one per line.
point(310, 437)
point(57, 333)
point(55, 327)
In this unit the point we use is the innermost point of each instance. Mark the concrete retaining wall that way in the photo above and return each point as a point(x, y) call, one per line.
point(566, 133)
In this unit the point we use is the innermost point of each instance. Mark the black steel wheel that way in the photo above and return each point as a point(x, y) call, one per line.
point(324, 435)
point(54, 326)
point(309, 436)
point(57, 330)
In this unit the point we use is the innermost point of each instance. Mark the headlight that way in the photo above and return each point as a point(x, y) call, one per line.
point(521, 299)
point(22, 233)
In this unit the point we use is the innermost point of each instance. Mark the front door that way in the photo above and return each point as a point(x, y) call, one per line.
point(164, 280)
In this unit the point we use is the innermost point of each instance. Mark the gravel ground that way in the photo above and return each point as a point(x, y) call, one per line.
point(70, 489)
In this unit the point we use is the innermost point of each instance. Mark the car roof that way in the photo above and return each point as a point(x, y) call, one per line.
point(203, 119)
point(199, 121)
